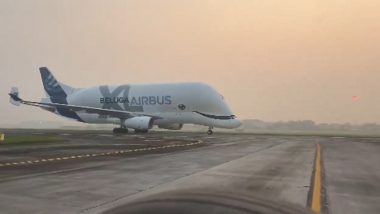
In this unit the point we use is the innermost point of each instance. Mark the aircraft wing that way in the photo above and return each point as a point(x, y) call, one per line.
point(15, 99)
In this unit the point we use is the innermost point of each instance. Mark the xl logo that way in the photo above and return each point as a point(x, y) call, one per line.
point(121, 91)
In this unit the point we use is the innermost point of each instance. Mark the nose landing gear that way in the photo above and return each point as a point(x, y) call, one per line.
point(210, 132)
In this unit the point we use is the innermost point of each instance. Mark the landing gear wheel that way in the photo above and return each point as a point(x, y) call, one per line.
point(120, 131)
point(141, 131)
point(210, 132)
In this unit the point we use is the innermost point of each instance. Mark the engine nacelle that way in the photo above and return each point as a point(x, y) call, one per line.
point(139, 123)
point(173, 126)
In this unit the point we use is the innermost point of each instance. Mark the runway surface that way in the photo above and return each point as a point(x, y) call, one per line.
point(90, 172)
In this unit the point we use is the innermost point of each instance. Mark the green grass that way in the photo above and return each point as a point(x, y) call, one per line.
point(30, 138)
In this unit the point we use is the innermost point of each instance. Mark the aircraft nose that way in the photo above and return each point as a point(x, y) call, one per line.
point(235, 123)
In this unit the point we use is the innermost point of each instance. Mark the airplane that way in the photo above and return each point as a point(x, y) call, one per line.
point(135, 106)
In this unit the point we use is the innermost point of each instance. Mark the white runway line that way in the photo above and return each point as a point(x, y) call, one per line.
point(30, 162)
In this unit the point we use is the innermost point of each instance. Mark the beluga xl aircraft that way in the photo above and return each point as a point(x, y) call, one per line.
point(137, 107)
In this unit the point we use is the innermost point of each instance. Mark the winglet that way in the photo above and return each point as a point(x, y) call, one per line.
point(14, 98)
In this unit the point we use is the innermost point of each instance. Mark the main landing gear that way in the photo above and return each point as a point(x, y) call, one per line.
point(120, 131)
point(125, 131)
point(141, 131)
point(210, 132)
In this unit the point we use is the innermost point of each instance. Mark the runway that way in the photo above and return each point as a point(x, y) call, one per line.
point(91, 172)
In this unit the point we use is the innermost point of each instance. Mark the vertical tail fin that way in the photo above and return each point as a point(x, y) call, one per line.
point(52, 87)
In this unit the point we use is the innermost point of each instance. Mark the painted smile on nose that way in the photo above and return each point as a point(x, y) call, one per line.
point(230, 117)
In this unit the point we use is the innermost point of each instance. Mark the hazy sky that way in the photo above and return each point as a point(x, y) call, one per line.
point(272, 60)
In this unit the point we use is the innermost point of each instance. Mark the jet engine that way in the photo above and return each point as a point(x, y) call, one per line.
point(173, 126)
point(139, 123)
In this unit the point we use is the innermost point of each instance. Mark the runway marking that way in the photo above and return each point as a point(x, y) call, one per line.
point(317, 186)
point(29, 162)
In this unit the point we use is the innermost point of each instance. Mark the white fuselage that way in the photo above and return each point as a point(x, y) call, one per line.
point(174, 103)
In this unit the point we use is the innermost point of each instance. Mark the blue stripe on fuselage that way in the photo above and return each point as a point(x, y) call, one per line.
point(63, 111)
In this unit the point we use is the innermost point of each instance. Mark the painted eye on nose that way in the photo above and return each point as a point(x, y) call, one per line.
point(181, 106)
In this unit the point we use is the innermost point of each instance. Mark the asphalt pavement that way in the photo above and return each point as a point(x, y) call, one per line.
point(92, 172)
